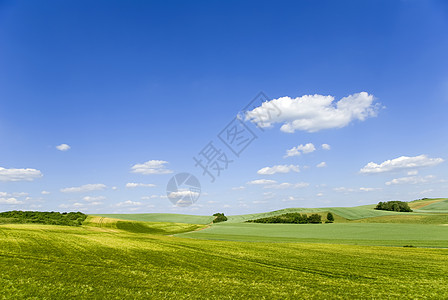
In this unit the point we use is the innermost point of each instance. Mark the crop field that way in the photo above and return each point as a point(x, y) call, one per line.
point(353, 233)
point(366, 253)
point(102, 261)
point(174, 218)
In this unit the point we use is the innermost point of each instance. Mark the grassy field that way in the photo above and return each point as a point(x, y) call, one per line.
point(104, 261)
point(173, 218)
point(349, 213)
point(348, 233)
point(436, 206)
point(168, 256)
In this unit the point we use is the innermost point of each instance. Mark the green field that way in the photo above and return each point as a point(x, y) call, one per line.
point(174, 218)
point(366, 253)
point(353, 233)
point(104, 262)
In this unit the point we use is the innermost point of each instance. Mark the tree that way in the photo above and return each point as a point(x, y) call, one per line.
point(399, 206)
point(219, 217)
point(330, 217)
point(315, 219)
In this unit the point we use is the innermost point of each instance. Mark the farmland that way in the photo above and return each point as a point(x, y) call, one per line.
point(137, 257)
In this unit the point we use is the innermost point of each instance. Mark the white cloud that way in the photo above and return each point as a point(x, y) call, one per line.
point(19, 174)
point(45, 192)
point(401, 163)
point(183, 193)
point(238, 188)
point(10, 201)
point(63, 147)
point(292, 198)
point(151, 167)
point(150, 197)
point(319, 194)
point(313, 113)
point(287, 185)
point(326, 147)
point(413, 172)
point(128, 203)
point(259, 201)
point(134, 185)
point(20, 194)
point(296, 151)
point(262, 181)
point(367, 189)
point(84, 188)
point(4, 194)
point(278, 169)
point(114, 188)
point(322, 165)
point(93, 199)
point(343, 189)
point(410, 180)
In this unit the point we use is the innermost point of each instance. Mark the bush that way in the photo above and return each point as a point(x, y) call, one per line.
point(219, 217)
point(330, 218)
point(394, 206)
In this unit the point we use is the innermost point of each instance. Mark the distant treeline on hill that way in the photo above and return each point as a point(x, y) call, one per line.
point(295, 218)
point(394, 206)
point(49, 218)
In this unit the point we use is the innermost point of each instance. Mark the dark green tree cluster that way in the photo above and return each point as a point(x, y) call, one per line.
point(394, 206)
point(49, 218)
point(291, 218)
point(219, 217)
point(330, 218)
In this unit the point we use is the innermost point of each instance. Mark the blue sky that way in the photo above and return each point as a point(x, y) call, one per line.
point(136, 89)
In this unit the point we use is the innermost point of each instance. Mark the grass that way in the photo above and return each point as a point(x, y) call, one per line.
point(173, 218)
point(344, 233)
point(437, 206)
point(106, 262)
point(162, 228)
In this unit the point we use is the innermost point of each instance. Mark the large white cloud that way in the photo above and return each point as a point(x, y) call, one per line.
point(296, 151)
point(401, 163)
point(84, 188)
point(151, 167)
point(131, 185)
point(19, 174)
point(312, 113)
point(278, 169)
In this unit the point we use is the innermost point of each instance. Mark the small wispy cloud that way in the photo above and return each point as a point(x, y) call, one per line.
point(63, 147)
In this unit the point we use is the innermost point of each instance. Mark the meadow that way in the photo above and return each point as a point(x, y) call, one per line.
point(147, 256)
point(102, 261)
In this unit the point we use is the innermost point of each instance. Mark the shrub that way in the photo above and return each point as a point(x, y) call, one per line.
point(219, 217)
point(330, 217)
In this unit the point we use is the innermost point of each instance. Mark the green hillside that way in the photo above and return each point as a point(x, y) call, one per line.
point(162, 228)
point(106, 262)
point(154, 217)
point(439, 206)
point(349, 213)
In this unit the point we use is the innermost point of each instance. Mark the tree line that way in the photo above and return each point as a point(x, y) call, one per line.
point(49, 218)
point(295, 218)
